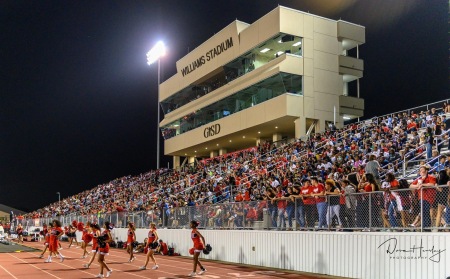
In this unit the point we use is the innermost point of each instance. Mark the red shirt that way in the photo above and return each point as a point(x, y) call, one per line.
point(394, 186)
point(164, 248)
point(342, 197)
point(429, 194)
point(251, 214)
point(368, 187)
point(247, 196)
point(411, 125)
point(307, 190)
point(319, 188)
point(281, 204)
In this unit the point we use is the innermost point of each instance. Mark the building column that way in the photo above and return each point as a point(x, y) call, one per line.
point(213, 154)
point(191, 160)
point(345, 91)
point(300, 127)
point(176, 161)
point(320, 126)
point(222, 151)
point(277, 137)
point(258, 141)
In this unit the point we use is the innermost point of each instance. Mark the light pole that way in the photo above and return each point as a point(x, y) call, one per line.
point(154, 55)
point(59, 198)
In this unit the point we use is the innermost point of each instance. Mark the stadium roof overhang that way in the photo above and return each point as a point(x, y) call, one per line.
point(241, 139)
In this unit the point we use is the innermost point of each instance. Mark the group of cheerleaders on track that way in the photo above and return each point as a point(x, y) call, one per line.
point(100, 244)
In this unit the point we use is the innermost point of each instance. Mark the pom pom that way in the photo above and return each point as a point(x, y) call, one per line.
point(80, 226)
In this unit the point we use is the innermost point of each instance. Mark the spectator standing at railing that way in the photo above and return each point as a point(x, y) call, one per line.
point(271, 195)
point(425, 193)
point(334, 207)
point(290, 206)
point(391, 199)
point(348, 190)
point(239, 215)
point(362, 206)
point(442, 195)
point(318, 192)
point(281, 208)
point(217, 217)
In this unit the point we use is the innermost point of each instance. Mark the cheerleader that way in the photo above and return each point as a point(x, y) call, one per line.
point(72, 236)
point(94, 233)
point(104, 250)
point(46, 233)
point(131, 237)
point(199, 245)
point(55, 233)
point(152, 243)
point(86, 238)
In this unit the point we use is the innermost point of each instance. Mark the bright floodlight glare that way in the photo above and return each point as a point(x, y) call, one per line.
point(156, 52)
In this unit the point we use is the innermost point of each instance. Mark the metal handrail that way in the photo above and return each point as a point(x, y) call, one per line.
point(414, 108)
point(265, 218)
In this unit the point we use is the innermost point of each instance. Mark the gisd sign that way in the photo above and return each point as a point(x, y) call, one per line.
point(211, 131)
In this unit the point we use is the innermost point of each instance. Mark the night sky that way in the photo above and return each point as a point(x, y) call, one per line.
point(78, 101)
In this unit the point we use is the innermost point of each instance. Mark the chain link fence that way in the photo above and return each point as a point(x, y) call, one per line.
point(426, 209)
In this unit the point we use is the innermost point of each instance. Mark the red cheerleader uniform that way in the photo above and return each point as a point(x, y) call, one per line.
point(198, 244)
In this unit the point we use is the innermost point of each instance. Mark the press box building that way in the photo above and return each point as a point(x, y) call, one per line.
point(270, 80)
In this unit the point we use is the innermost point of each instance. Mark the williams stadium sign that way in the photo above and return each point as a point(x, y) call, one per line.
point(208, 56)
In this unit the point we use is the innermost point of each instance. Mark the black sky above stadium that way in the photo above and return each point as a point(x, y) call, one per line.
point(78, 101)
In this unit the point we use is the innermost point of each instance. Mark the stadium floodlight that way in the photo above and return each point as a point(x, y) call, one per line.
point(155, 54)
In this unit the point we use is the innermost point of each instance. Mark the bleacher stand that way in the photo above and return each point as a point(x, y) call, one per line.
point(270, 183)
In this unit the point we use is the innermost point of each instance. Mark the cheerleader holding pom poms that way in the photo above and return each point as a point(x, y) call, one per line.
point(45, 232)
point(71, 234)
point(103, 249)
point(93, 234)
point(86, 237)
point(199, 245)
point(55, 233)
point(151, 245)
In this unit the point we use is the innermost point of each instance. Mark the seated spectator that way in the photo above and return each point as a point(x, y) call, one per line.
point(140, 247)
point(251, 216)
point(162, 248)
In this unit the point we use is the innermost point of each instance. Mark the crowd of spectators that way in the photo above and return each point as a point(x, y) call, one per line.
point(354, 159)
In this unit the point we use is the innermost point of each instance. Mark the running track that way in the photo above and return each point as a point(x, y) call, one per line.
point(26, 265)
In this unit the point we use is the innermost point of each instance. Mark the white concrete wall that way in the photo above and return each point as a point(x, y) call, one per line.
point(354, 255)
